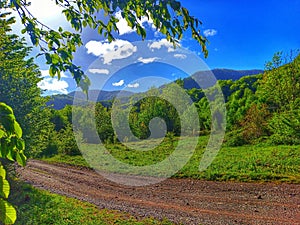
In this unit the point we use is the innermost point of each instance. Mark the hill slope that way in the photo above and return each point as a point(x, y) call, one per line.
point(203, 77)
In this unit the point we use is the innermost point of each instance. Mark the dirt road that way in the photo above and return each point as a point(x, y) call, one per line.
point(184, 201)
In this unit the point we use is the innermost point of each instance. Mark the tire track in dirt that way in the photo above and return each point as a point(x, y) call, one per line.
point(180, 200)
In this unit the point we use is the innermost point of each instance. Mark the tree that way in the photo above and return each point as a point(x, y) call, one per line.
point(242, 97)
point(19, 77)
point(280, 86)
point(279, 89)
point(169, 17)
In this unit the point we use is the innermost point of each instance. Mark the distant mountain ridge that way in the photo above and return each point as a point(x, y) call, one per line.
point(229, 74)
point(60, 101)
point(206, 80)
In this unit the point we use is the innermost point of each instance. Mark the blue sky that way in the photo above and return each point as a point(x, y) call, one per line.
point(242, 34)
point(248, 32)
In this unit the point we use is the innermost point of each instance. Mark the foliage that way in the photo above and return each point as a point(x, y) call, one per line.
point(61, 137)
point(279, 89)
point(19, 77)
point(12, 148)
point(103, 123)
point(266, 107)
point(255, 123)
point(285, 128)
point(240, 96)
point(169, 17)
point(66, 141)
point(280, 84)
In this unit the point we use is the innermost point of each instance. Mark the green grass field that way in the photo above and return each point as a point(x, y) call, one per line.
point(245, 163)
point(41, 207)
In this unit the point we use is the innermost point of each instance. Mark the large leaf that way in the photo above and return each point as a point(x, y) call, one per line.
point(4, 188)
point(5, 109)
point(21, 158)
point(2, 172)
point(8, 214)
point(18, 129)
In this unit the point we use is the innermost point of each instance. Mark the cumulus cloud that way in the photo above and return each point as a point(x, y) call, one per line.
point(125, 29)
point(118, 84)
point(100, 71)
point(162, 43)
point(135, 85)
point(180, 56)
point(118, 49)
point(54, 86)
point(100, 48)
point(121, 53)
point(147, 60)
point(210, 32)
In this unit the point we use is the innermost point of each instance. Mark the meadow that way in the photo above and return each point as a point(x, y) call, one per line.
point(246, 163)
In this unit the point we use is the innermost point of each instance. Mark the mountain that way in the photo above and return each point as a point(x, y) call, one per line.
point(98, 96)
point(206, 79)
point(60, 101)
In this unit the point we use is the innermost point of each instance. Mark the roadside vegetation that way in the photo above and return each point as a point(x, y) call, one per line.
point(248, 163)
point(42, 207)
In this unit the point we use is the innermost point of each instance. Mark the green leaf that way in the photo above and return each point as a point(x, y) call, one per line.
point(55, 58)
point(21, 159)
point(2, 133)
point(18, 129)
point(10, 153)
point(20, 144)
point(2, 172)
point(8, 214)
point(48, 58)
point(3, 149)
point(4, 188)
point(5, 109)
point(52, 71)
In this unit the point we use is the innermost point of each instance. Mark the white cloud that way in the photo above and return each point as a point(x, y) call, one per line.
point(162, 43)
point(45, 10)
point(147, 60)
point(100, 48)
point(121, 53)
point(45, 73)
point(118, 84)
point(122, 25)
point(180, 56)
point(54, 86)
point(101, 71)
point(210, 32)
point(125, 29)
point(135, 85)
point(118, 49)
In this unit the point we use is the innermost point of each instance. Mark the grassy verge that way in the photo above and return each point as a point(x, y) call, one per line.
point(41, 207)
point(246, 163)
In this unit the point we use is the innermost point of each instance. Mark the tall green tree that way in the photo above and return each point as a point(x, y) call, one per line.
point(279, 87)
point(19, 77)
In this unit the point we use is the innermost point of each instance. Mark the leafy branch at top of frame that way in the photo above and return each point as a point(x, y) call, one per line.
point(168, 16)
